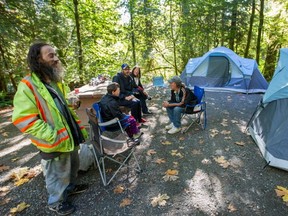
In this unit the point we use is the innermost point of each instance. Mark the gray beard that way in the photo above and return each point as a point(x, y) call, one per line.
point(53, 74)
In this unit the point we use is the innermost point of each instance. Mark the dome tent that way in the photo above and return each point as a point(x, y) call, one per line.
point(222, 69)
point(268, 125)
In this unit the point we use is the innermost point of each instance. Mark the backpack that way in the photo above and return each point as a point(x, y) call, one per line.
point(190, 99)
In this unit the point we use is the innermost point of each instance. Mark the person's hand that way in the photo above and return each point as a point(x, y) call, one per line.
point(165, 104)
point(130, 97)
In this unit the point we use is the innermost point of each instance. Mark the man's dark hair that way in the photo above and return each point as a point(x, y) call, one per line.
point(112, 87)
point(33, 57)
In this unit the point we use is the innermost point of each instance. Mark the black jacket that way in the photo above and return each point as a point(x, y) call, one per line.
point(182, 95)
point(109, 105)
point(126, 85)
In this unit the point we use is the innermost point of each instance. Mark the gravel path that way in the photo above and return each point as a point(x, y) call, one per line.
point(238, 186)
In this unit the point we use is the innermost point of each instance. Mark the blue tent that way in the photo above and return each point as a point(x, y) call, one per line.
point(221, 68)
point(269, 123)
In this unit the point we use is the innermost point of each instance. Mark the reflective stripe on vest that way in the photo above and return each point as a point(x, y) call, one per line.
point(26, 122)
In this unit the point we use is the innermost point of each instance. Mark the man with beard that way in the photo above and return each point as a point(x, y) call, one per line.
point(42, 112)
point(127, 99)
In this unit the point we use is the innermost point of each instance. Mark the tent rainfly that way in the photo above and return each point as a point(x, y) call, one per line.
point(269, 123)
point(222, 69)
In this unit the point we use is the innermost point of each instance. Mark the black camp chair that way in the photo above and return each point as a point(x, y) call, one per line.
point(110, 146)
point(197, 111)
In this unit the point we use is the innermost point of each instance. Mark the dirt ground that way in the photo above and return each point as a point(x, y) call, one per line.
point(204, 187)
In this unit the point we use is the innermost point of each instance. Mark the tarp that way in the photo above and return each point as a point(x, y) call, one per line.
point(222, 69)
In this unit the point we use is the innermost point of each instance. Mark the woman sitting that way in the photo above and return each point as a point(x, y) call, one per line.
point(139, 90)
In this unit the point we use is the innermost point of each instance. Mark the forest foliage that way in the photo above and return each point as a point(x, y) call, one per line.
point(95, 37)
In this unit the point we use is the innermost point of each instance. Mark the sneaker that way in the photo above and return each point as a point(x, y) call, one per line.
point(143, 120)
point(174, 130)
point(78, 189)
point(63, 208)
point(170, 126)
point(138, 135)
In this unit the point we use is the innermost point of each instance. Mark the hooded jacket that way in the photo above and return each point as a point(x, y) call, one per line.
point(36, 114)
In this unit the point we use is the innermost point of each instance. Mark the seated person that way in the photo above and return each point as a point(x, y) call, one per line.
point(109, 105)
point(126, 96)
point(139, 90)
point(175, 106)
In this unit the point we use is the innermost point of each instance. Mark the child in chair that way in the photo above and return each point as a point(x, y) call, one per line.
point(110, 109)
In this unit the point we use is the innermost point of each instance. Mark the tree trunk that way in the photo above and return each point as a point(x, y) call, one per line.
point(131, 9)
point(3, 84)
point(148, 35)
point(249, 37)
point(271, 58)
point(79, 43)
point(233, 27)
point(260, 27)
point(173, 40)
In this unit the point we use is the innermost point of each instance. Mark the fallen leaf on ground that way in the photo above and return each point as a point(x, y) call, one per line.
point(4, 201)
point(159, 200)
point(241, 143)
point(196, 152)
point(225, 132)
point(5, 134)
point(171, 175)
point(176, 153)
point(231, 208)
point(206, 161)
point(20, 173)
point(224, 122)
point(175, 164)
point(3, 167)
point(4, 191)
point(15, 159)
point(182, 138)
point(213, 132)
point(119, 189)
point(228, 138)
point(282, 192)
point(160, 161)
point(222, 162)
point(21, 181)
point(125, 202)
point(151, 152)
point(166, 142)
point(20, 207)
point(109, 170)
point(234, 121)
point(201, 141)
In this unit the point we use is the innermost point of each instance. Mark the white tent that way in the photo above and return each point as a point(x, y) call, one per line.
point(222, 69)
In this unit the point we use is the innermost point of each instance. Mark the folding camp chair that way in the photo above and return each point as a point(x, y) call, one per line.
point(198, 111)
point(110, 145)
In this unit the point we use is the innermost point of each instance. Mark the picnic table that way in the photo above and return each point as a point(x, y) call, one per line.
point(88, 94)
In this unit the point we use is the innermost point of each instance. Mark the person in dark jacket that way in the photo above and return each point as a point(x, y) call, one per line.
point(126, 95)
point(139, 90)
point(176, 105)
point(110, 109)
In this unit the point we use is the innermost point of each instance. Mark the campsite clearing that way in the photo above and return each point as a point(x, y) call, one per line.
point(220, 170)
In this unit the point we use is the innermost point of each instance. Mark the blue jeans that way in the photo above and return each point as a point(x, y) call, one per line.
point(60, 176)
point(175, 114)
